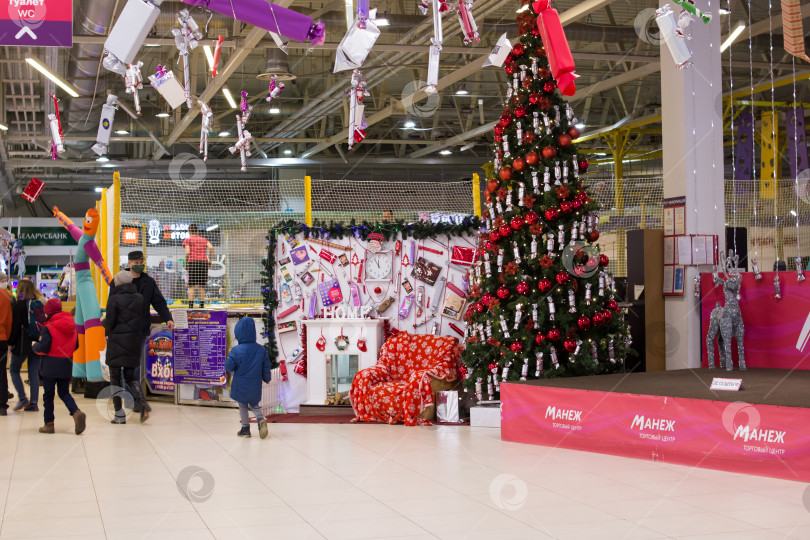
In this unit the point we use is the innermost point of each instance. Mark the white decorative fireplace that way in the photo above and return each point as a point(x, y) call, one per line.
point(332, 370)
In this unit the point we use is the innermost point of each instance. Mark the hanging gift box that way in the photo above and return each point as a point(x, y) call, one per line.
point(169, 87)
point(465, 256)
point(299, 255)
point(32, 190)
point(327, 255)
point(330, 292)
point(426, 271)
point(447, 406)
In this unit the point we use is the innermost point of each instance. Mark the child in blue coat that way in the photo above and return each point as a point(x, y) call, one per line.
point(250, 365)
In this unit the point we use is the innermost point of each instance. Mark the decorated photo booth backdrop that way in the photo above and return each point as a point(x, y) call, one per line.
point(419, 285)
point(235, 216)
point(777, 332)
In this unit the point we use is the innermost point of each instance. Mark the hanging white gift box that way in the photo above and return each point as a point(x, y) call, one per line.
point(170, 88)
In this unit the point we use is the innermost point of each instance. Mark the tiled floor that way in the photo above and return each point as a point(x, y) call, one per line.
point(350, 481)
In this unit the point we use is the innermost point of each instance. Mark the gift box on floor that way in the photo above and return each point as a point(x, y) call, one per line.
point(447, 407)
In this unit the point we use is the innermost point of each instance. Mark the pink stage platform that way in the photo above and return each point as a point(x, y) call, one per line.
point(763, 430)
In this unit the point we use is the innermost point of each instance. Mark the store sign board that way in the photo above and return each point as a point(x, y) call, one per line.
point(159, 362)
point(168, 234)
point(199, 349)
point(130, 236)
point(36, 23)
point(44, 236)
point(733, 385)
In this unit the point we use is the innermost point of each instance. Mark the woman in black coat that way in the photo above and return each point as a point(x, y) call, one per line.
point(123, 328)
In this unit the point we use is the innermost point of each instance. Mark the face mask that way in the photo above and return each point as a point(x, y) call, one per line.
point(137, 268)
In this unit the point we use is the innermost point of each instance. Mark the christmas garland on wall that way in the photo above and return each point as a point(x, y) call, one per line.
point(336, 231)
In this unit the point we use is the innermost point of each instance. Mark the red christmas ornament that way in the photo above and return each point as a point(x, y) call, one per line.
point(518, 49)
point(584, 323)
point(506, 120)
point(544, 72)
point(486, 298)
point(505, 231)
point(517, 223)
point(493, 367)
point(531, 217)
point(479, 307)
point(527, 83)
point(498, 129)
point(510, 68)
point(583, 165)
point(498, 139)
point(532, 158)
point(503, 293)
point(603, 260)
point(539, 338)
point(607, 316)
point(594, 236)
point(613, 304)
point(552, 214)
point(534, 98)
point(574, 132)
point(522, 287)
point(506, 174)
point(564, 140)
point(597, 319)
point(549, 87)
point(516, 346)
point(492, 185)
point(520, 111)
point(562, 278)
point(554, 334)
point(528, 137)
point(549, 152)
point(489, 246)
point(570, 345)
point(509, 58)
point(544, 285)
point(518, 164)
point(494, 236)
point(566, 207)
point(577, 202)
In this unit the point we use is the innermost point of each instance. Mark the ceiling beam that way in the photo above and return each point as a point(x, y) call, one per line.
point(766, 25)
point(583, 9)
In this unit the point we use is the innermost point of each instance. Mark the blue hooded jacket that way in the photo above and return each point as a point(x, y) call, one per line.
point(249, 363)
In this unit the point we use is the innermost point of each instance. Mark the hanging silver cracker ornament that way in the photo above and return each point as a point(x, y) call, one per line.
point(524, 371)
point(500, 260)
point(504, 327)
point(588, 287)
point(506, 371)
point(509, 200)
point(547, 180)
point(557, 173)
point(516, 252)
point(539, 369)
point(777, 289)
point(611, 352)
point(518, 315)
point(799, 270)
point(535, 183)
point(479, 392)
point(561, 236)
point(534, 246)
point(521, 193)
point(490, 388)
point(550, 242)
point(489, 330)
point(554, 360)
point(534, 313)
point(755, 267)
point(726, 322)
point(594, 352)
point(552, 310)
point(536, 122)
point(572, 301)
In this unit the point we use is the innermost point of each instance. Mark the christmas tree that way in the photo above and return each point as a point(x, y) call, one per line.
point(542, 304)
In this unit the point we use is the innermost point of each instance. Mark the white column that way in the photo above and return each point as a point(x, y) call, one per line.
point(691, 103)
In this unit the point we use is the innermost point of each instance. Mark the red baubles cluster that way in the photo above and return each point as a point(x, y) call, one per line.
point(570, 345)
point(503, 293)
point(584, 323)
point(594, 236)
point(563, 278)
point(517, 223)
point(506, 120)
point(552, 213)
point(554, 334)
point(531, 217)
point(518, 49)
point(612, 304)
point(583, 165)
point(544, 285)
point(520, 111)
point(607, 316)
point(566, 207)
point(549, 87)
point(504, 231)
point(522, 287)
point(516, 346)
point(534, 98)
point(539, 338)
point(597, 319)
point(486, 298)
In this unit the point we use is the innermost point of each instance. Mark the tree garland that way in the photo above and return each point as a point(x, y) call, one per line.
point(336, 231)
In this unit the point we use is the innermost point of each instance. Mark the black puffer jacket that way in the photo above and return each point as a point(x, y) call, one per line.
point(20, 341)
point(123, 326)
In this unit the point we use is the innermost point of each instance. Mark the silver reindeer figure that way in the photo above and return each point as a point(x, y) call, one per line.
point(726, 322)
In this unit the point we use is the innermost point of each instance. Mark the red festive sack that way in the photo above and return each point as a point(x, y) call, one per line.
point(557, 50)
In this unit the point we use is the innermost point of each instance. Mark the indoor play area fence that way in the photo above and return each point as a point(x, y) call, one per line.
point(235, 216)
point(776, 215)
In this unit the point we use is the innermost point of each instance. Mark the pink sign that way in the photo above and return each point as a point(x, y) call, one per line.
point(766, 440)
point(774, 336)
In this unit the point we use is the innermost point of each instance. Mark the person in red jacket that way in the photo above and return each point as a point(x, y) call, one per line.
point(5, 332)
point(56, 345)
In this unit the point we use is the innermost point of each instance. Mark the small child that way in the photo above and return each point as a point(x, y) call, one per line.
point(56, 345)
point(250, 365)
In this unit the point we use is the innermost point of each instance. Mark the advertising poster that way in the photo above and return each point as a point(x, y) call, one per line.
point(200, 350)
point(159, 363)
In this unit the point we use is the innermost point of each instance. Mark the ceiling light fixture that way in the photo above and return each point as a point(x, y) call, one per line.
point(462, 91)
point(274, 110)
point(209, 55)
point(724, 11)
point(445, 152)
point(99, 189)
point(521, 9)
point(579, 125)
point(122, 132)
point(224, 133)
point(3, 127)
point(410, 124)
point(152, 45)
point(212, 227)
point(793, 213)
point(162, 115)
point(349, 14)
point(287, 152)
point(229, 98)
point(382, 22)
point(102, 159)
point(734, 33)
point(59, 81)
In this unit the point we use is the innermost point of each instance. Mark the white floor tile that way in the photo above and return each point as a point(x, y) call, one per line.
point(360, 481)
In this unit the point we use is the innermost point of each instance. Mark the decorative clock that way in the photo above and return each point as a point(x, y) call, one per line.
point(379, 266)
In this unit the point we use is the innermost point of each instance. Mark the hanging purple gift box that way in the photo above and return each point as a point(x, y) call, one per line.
point(270, 17)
